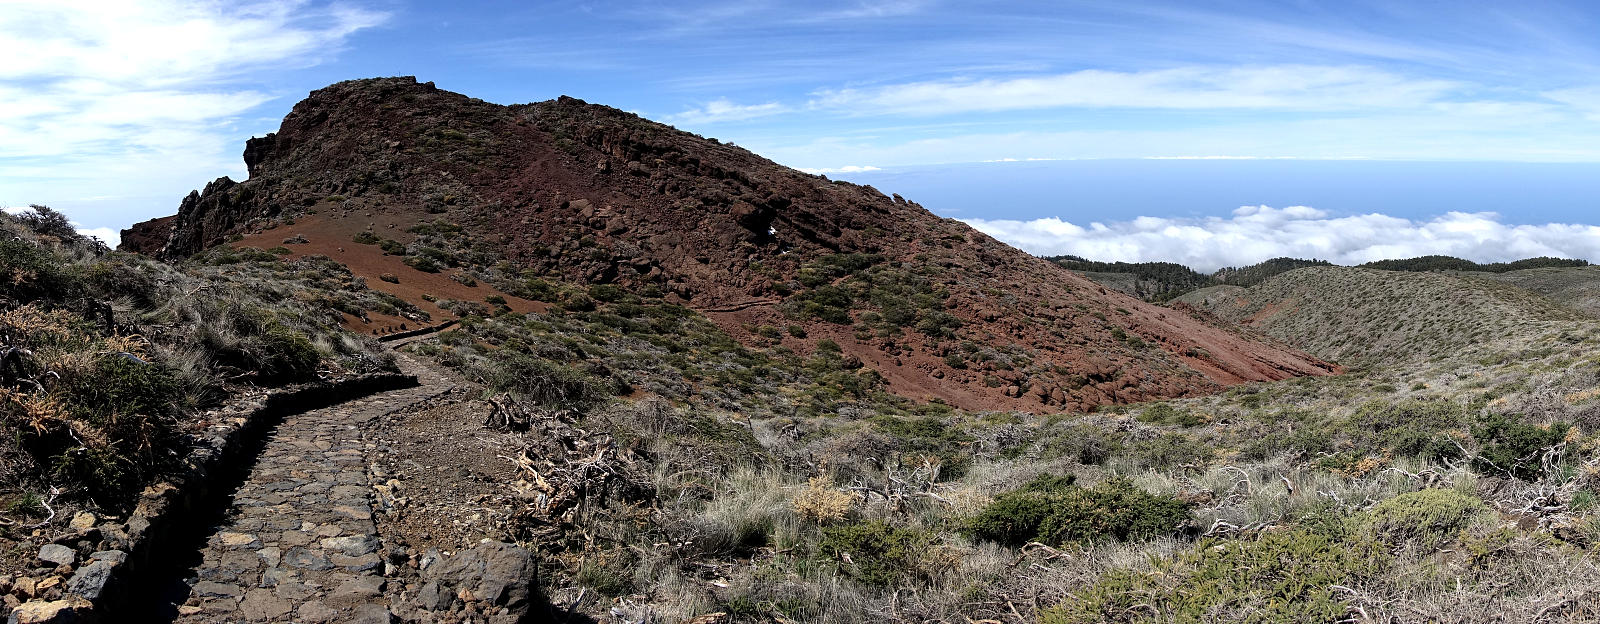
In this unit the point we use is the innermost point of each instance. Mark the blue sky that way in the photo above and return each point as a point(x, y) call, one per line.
point(1013, 115)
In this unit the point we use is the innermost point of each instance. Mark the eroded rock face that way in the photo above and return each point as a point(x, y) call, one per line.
point(588, 193)
point(148, 237)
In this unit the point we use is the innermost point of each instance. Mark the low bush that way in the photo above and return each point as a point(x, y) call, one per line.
point(1085, 444)
point(1423, 520)
point(879, 554)
point(821, 503)
point(1172, 450)
point(929, 437)
point(422, 263)
point(1507, 447)
point(1052, 510)
point(1166, 414)
point(543, 381)
point(1286, 576)
point(286, 355)
point(29, 272)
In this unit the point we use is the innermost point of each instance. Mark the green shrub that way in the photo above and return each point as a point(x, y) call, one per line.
point(129, 403)
point(610, 579)
point(1286, 576)
point(1411, 428)
point(939, 323)
point(495, 299)
point(1053, 511)
point(538, 290)
point(828, 303)
point(122, 386)
point(577, 302)
point(881, 554)
point(847, 263)
point(928, 436)
point(1423, 520)
point(1507, 447)
point(1085, 444)
point(543, 381)
point(365, 237)
point(1166, 414)
point(1172, 450)
point(26, 503)
point(29, 272)
point(609, 293)
point(423, 263)
point(392, 247)
point(286, 355)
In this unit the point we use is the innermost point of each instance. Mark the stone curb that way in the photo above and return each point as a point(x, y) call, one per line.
point(420, 331)
point(108, 579)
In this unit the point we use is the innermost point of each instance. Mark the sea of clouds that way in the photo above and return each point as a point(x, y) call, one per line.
point(1255, 233)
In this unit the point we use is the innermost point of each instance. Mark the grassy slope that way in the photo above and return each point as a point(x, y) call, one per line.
point(1355, 315)
point(1574, 287)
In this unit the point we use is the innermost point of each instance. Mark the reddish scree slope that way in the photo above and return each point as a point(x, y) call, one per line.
point(591, 194)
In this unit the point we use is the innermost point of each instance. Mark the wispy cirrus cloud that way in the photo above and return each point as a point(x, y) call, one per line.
point(96, 91)
point(844, 169)
point(1280, 87)
point(723, 110)
point(1255, 233)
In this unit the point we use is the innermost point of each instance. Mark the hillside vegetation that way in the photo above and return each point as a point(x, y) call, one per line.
point(1150, 281)
point(706, 389)
point(1450, 263)
point(109, 360)
point(1575, 287)
point(1164, 281)
point(1367, 316)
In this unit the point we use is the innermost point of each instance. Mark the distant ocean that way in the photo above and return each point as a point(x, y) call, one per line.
point(1082, 191)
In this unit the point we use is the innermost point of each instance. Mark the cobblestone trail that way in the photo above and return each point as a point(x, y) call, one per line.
point(299, 543)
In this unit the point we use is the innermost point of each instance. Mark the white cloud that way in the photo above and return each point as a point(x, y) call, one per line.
point(724, 110)
point(1278, 87)
point(1583, 99)
point(143, 99)
point(1255, 233)
point(111, 237)
point(1424, 134)
point(844, 169)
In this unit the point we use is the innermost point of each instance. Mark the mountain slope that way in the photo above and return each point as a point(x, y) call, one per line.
point(1574, 287)
point(1352, 315)
point(1150, 281)
point(575, 192)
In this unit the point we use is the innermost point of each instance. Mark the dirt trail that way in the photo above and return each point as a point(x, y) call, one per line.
point(298, 542)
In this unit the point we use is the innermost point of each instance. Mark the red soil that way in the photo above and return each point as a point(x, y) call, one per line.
point(331, 236)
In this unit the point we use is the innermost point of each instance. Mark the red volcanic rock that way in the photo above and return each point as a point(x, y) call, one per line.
point(589, 193)
point(148, 237)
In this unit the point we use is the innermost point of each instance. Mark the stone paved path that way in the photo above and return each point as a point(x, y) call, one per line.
point(299, 543)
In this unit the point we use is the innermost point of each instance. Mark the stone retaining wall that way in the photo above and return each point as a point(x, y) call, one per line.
point(102, 562)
